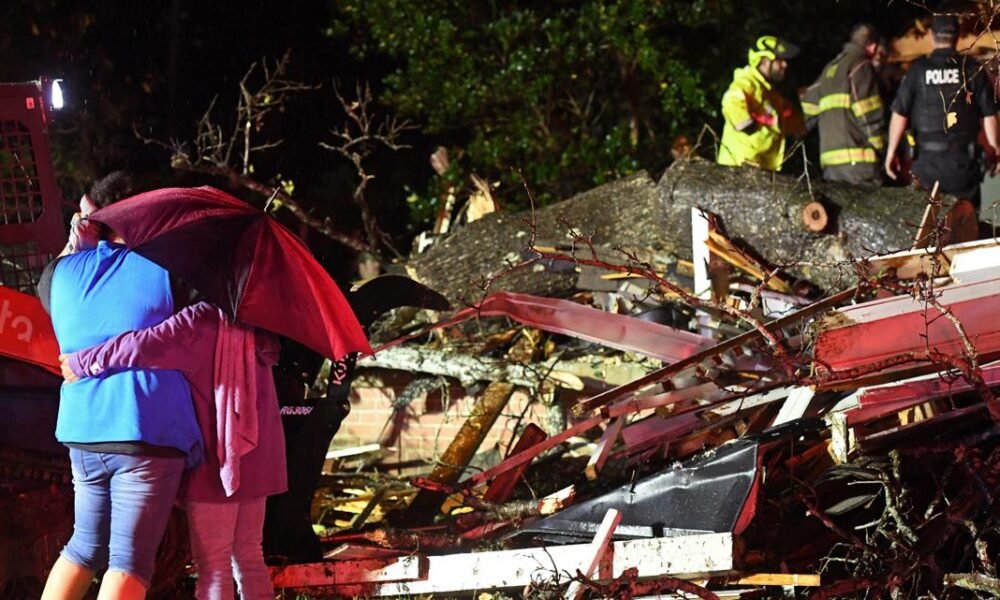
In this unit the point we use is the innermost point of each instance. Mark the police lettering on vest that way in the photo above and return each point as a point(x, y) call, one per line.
point(940, 76)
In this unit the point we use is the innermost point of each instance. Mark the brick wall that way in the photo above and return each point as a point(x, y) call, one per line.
point(423, 430)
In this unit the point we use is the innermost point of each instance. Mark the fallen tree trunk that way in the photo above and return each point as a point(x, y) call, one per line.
point(764, 210)
point(625, 212)
point(773, 214)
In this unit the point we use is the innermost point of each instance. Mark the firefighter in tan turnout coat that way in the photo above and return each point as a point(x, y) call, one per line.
point(846, 106)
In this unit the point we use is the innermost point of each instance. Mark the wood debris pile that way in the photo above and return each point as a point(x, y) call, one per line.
point(691, 424)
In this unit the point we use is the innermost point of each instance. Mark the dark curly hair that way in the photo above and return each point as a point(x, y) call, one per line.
point(115, 186)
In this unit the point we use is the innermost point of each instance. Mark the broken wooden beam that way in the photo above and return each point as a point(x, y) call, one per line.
point(603, 450)
point(515, 461)
point(557, 500)
point(705, 391)
point(347, 572)
point(463, 447)
point(681, 556)
point(598, 548)
point(656, 430)
point(725, 249)
point(874, 402)
point(910, 263)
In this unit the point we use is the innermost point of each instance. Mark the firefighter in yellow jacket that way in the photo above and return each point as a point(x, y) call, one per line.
point(846, 105)
point(757, 117)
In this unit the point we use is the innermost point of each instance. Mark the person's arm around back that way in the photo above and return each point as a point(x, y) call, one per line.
point(176, 344)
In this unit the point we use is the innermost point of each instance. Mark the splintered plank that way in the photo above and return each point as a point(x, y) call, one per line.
point(929, 221)
point(682, 556)
point(598, 547)
point(797, 579)
point(910, 263)
point(557, 500)
point(722, 247)
point(346, 572)
point(603, 449)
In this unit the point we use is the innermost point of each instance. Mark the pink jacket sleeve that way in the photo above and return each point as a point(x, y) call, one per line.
point(184, 342)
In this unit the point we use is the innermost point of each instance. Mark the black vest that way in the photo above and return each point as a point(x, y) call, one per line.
point(944, 109)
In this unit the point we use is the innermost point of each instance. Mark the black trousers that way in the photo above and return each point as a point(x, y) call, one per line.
point(956, 172)
point(859, 174)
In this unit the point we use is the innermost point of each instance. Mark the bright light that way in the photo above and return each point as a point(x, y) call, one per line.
point(57, 94)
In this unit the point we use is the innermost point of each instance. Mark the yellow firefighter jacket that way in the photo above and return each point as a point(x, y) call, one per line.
point(757, 120)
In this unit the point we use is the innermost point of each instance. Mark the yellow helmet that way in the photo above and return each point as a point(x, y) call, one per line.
point(771, 47)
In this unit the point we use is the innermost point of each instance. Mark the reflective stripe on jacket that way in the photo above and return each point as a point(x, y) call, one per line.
point(846, 106)
point(761, 141)
point(847, 156)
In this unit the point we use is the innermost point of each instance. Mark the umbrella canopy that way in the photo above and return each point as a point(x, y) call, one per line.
point(243, 261)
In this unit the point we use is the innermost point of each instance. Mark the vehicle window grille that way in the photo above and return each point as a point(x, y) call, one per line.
point(21, 266)
point(20, 193)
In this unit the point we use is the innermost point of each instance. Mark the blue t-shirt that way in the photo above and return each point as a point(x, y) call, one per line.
point(93, 296)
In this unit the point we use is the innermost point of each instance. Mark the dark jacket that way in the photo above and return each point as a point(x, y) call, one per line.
point(846, 106)
point(945, 96)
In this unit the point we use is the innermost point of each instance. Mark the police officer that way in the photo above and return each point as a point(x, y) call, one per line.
point(943, 99)
point(846, 105)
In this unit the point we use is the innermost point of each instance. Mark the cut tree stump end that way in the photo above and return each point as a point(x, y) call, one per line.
point(814, 217)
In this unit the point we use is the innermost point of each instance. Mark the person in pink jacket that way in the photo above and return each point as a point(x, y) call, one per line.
point(228, 367)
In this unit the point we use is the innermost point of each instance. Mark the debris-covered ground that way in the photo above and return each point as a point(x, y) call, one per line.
point(701, 422)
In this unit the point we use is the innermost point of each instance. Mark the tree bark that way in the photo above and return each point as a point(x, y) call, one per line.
point(764, 211)
point(760, 209)
point(626, 212)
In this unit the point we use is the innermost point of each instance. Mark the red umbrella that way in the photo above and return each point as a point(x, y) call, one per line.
point(243, 261)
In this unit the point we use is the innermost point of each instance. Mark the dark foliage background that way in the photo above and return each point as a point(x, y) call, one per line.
point(572, 93)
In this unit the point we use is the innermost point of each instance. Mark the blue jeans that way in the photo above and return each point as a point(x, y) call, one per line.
point(122, 505)
point(226, 543)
